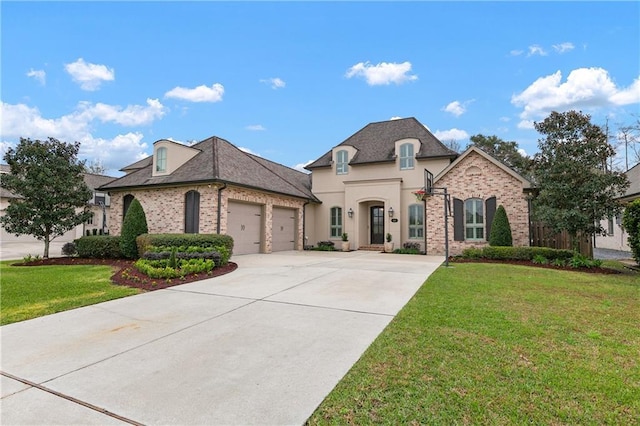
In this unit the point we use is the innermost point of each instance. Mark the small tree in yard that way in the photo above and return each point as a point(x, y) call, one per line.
point(500, 229)
point(631, 223)
point(135, 224)
point(576, 188)
point(47, 180)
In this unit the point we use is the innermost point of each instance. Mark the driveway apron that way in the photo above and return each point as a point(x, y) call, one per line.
point(262, 345)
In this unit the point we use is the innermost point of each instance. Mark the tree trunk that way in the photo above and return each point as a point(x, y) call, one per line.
point(46, 247)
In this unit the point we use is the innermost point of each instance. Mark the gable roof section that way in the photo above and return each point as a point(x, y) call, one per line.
point(220, 161)
point(376, 143)
point(525, 182)
point(633, 192)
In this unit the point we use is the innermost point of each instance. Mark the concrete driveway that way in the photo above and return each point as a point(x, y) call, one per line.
point(262, 345)
point(18, 250)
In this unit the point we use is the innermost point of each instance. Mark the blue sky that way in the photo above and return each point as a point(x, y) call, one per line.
point(290, 80)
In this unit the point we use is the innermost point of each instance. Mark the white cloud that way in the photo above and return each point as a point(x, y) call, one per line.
point(301, 167)
point(89, 76)
point(275, 83)
point(446, 135)
point(536, 50)
point(198, 94)
point(114, 153)
point(39, 75)
point(248, 151)
point(584, 88)
point(256, 127)
point(523, 152)
point(382, 74)
point(396, 118)
point(516, 52)
point(132, 115)
point(563, 47)
point(4, 147)
point(526, 124)
point(457, 108)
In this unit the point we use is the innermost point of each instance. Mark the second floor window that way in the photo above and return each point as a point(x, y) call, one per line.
point(406, 156)
point(161, 160)
point(342, 160)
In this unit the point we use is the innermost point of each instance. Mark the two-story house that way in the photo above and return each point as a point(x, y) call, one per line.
point(366, 187)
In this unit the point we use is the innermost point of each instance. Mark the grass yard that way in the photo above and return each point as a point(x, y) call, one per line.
point(32, 291)
point(501, 344)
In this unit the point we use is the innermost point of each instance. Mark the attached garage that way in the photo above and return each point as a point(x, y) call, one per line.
point(244, 224)
point(284, 229)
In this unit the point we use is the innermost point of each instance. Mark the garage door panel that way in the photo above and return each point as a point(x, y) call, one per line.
point(284, 229)
point(244, 224)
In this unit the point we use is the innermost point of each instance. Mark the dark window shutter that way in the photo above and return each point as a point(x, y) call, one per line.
point(490, 207)
point(126, 202)
point(458, 220)
point(192, 212)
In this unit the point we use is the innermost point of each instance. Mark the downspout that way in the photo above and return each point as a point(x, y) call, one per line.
point(220, 189)
point(424, 200)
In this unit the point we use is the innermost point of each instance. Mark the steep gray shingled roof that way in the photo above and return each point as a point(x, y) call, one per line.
point(376, 143)
point(221, 161)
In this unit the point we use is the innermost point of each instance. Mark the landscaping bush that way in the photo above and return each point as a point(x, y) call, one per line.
point(100, 246)
point(325, 246)
point(223, 244)
point(631, 223)
point(69, 249)
point(411, 246)
point(516, 253)
point(500, 229)
point(162, 268)
point(217, 258)
point(407, 251)
point(135, 224)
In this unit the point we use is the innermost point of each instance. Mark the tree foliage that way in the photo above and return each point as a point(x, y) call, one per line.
point(631, 223)
point(576, 188)
point(500, 229)
point(47, 180)
point(506, 152)
point(135, 224)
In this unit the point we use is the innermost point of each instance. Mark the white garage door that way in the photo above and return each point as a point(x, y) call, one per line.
point(244, 224)
point(284, 229)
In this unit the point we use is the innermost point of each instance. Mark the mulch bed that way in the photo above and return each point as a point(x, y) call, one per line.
point(598, 270)
point(125, 274)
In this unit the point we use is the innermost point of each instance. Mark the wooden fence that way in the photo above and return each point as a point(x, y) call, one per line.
point(542, 236)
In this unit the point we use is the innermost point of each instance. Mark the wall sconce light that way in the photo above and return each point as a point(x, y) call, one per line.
point(350, 212)
point(390, 211)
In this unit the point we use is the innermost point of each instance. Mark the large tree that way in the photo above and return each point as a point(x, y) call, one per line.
point(48, 182)
point(576, 187)
point(505, 151)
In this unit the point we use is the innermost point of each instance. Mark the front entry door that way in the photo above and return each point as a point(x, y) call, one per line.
point(377, 225)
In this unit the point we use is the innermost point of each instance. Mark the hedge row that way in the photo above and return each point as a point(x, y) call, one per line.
point(99, 246)
point(165, 255)
point(177, 240)
point(516, 253)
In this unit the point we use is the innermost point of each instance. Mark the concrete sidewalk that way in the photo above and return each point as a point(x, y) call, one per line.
point(262, 345)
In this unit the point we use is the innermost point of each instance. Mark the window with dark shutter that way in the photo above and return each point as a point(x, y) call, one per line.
point(458, 220)
point(192, 212)
point(490, 207)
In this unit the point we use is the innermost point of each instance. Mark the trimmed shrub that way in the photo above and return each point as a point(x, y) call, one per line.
point(162, 268)
point(411, 246)
point(517, 253)
point(186, 242)
point(100, 246)
point(631, 223)
point(500, 229)
point(135, 223)
point(69, 249)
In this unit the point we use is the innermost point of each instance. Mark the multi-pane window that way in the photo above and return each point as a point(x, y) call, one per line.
point(406, 156)
point(416, 221)
point(336, 222)
point(90, 220)
point(610, 226)
point(474, 219)
point(161, 160)
point(342, 160)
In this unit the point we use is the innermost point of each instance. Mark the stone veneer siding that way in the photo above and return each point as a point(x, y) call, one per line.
point(164, 209)
point(476, 177)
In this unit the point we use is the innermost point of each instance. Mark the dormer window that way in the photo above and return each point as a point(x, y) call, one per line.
point(161, 160)
point(406, 156)
point(342, 162)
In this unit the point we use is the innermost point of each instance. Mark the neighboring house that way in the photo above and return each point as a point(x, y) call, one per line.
point(99, 210)
point(367, 186)
point(214, 187)
point(616, 238)
point(363, 187)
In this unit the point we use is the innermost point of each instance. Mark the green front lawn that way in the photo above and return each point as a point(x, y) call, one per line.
point(501, 344)
point(32, 291)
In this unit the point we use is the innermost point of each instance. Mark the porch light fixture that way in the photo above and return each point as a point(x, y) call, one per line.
point(390, 211)
point(350, 212)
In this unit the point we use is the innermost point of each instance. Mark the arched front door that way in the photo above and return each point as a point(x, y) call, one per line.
point(377, 225)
